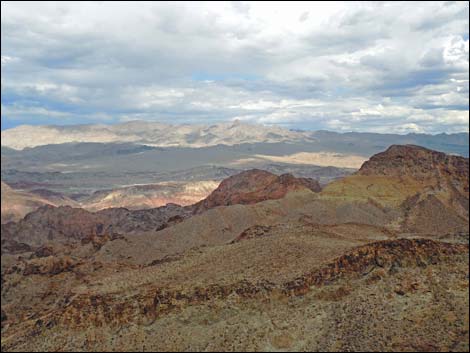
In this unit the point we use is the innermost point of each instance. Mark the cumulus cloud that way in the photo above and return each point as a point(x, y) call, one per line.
point(368, 66)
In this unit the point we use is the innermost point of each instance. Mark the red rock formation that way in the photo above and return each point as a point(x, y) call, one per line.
point(254, 186)
point(419, 163)
point(441, 183)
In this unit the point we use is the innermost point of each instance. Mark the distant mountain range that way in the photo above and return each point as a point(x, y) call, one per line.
point(232, 133)
point(149, 133)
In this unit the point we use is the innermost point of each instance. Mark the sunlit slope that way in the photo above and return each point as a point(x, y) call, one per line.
point(16, 204)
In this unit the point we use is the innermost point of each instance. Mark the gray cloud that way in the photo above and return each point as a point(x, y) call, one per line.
point(399, 67)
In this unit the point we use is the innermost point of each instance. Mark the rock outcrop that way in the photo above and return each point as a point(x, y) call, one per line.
point(254, 186)
point(50, 265)
point(66, 225)
point(429, 188)
point(421, 164)
point(388, 255)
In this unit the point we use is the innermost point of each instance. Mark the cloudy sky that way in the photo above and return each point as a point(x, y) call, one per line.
point(382, 67)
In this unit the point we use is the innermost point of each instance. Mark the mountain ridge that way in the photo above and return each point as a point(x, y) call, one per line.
point(158, 134)
point(395, 200)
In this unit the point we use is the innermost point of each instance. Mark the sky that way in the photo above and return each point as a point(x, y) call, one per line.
point(400, 67)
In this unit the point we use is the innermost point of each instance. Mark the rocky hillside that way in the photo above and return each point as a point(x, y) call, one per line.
point(392, 190)
point(150, 195)
point(70, 225)
point(374, 261)
point(430, 188)
point(441, 198)
point(254, 186)
point(419, 163)
point(67, 225)
point(314, 307)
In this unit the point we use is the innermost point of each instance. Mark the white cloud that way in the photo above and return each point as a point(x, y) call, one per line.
point(392, 66)
point(8, 59)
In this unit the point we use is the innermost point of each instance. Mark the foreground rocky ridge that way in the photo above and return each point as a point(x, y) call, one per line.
point(389, 256)
point(395, 269)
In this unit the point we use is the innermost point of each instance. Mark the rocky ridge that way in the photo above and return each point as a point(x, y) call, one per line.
point(68, 225)
point(254, 186)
